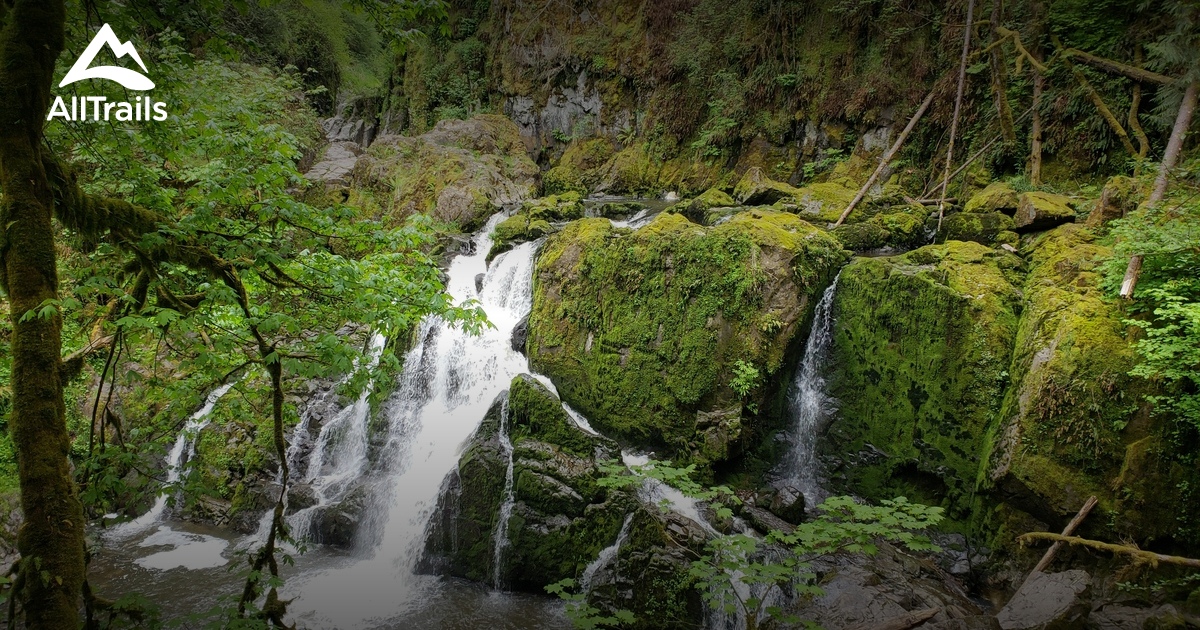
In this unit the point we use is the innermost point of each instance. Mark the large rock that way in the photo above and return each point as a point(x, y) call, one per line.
point(1120, 196)
point(337, 524)
point(561, 517)
point(997, 197)
point(896, 228)
point(641, 330)
point(706, 207)
point(919, 363)
point(988, 228)
point(1048, 601)
point(1053, 448)
point(756, 189)
point(460, 172)
point(1042, 211)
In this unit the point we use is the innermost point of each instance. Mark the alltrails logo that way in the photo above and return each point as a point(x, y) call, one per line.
point(143, 107)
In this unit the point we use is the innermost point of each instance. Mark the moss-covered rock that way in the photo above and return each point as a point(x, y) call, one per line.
point(1120, 196)
point(707, 207)
point(1061, 432)
point(561, 517)
point(898, 228)
point(1042, 211)
point(755, 189)
point(824, 202)
point(567, 206)
point(921, 347)
point(460, 172)
point(640, 330)
point(515, 230)
point(996, 197)
point(563, 178)
point(987, 228)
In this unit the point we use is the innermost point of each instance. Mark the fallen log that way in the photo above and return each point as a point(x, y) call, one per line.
point(1048, 557)
point(1141, 555)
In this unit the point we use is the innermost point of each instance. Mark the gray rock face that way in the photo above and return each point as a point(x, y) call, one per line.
point(569, 111)
point(335, 164)
point(868, 591)
point(337, 523)
point(1048, 601)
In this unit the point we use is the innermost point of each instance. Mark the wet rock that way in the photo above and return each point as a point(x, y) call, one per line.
point(479, 282)
point(1042, 211)
point(520, 335)
point(788, 503)
point(619, 210)
point(703, 209)
point(1049, 601)
point(764, 521)
point(996, 197)
point(337, 523)
point(1121, 196)
point(1122, 617)
point(300, 496)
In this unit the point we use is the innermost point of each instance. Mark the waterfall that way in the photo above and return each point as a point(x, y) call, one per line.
point(809, 404)
point(500, 535)
point(339, 457)
point(449, 379)
point(606, 556)
point(185, 443)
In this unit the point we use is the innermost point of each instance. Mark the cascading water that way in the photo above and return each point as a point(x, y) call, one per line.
point(809, 404)
point(450, 377)
point(186, 442)
point(605, 557)
point(339, 457)
point(500, 536)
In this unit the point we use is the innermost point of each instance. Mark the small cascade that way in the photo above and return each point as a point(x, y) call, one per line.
point(176, 460)
point(339, 457)
point(607, 556)
point(500, 535)
point(655, 492)
point(809, 404)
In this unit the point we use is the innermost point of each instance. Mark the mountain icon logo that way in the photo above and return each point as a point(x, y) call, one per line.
point(131, 79)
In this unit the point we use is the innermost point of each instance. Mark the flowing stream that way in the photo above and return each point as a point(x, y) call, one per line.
point(500, 536)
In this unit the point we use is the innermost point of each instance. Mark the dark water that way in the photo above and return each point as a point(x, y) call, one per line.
point(186, 569)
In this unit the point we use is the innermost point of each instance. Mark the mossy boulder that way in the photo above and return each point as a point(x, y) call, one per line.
point(561, 517)
point(517, 229)
point(824, 202)
point(640, 330)
point(567, 206)
point(619, 210)
point(987, 228)
point(1062, 430)
point(897, 227)
point(563, 178)
point(921, 347)
point(701, 208)
point(756, 189)
point(1120, 196)
point(1038, 211)
point(996, 197)
point(460, 172)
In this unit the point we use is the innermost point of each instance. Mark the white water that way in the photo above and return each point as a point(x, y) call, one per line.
point(605, 557)
point(186, 442)
point(657, 493)
point(449, 380)
point(339, 457)
point(810, 405)
point(500, 535)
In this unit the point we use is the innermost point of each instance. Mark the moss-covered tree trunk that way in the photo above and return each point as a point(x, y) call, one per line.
point(51, 539)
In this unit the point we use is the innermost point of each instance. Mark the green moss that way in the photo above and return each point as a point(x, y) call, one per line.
point(639, 330)
point(824, 202)
point(921, 347)
point(996, 197)
point(562, 178)
point(987, 228)
point(538, 414)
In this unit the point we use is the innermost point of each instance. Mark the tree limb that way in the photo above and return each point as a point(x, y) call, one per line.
point(1140, 555)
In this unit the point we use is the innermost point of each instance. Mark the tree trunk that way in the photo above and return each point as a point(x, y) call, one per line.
point(1174, 147)
point(962, 79)
point(1035, 132)
point(1000, 76)
point(887, 157)
point(51, 540)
